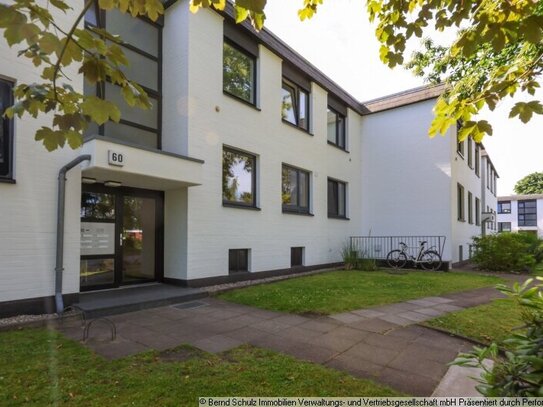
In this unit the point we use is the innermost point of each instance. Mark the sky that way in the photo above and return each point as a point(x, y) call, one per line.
point(340, 41)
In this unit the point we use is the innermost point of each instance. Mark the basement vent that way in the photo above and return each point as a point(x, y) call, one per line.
point(190, 305)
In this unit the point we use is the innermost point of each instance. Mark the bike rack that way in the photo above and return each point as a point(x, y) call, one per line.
point(77, 310)
point(108, 322)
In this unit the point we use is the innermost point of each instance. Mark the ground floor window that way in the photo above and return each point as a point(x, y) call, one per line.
point(296, 256)
point(238, 178)
point(6, 130)
point(504, 226)
point(238, 260)
point(337, 198)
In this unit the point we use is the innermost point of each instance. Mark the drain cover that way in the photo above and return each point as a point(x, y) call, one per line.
point(189, 305)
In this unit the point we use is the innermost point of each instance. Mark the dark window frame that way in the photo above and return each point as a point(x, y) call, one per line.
point(470, 208)
point(297, 208)
point(501, 229)
point(249, 55)
point(500, 207)
point(522, 211)
point(460, 146)
point(238, 253)
point(470, 153)
point(460, 204)
point(337, 215)
point(343, 118)
point(297, 89)
point(295, 254)
point(236, 204)
point(478, 160)
point(477, 211)
point(153, 94)
point(8, 125)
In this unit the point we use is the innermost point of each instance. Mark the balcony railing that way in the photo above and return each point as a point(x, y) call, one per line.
point(377, 247)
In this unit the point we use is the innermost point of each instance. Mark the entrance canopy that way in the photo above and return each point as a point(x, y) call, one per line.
point(139, 167)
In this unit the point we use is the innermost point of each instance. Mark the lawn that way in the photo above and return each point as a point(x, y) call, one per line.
point(41, 367)
point(339, 291)
point(485, 323)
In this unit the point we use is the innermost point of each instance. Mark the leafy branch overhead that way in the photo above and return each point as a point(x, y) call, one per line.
point(53, 48)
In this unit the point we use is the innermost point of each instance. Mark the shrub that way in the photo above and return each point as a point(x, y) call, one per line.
point(350, 257)
point(504, 252)
point(520, 372)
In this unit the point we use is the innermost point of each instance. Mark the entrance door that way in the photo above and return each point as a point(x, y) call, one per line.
point(121, 236)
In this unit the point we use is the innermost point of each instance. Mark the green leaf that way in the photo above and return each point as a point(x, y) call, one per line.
point(100, 111)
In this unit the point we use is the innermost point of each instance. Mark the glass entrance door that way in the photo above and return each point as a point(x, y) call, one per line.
point(121, 240)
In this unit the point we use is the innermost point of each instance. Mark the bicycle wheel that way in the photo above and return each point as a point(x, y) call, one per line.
point(430, 260)
point(396, 259)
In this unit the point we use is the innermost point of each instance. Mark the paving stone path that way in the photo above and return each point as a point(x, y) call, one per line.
point(382, 343)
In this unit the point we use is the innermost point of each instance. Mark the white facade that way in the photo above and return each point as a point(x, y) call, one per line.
point(398, 181)
point(531, 214)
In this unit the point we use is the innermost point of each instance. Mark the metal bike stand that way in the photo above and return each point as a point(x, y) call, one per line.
point(77, 310)
point(108, 322)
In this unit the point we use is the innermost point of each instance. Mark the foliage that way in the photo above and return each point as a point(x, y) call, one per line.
point(480, 323)
point(520, 372)
point(504, 252)
point(497, 52)
point(356, 260)
point(42, 368)
point(237, 73)
point(340, 291)
point(530, 184)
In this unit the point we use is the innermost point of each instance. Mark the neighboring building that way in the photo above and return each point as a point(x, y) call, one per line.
point(521, 213)
point(251, 160)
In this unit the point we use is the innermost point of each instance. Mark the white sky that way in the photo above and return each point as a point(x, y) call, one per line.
point(341, 43)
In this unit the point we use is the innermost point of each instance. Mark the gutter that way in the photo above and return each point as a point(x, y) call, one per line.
point(61, 206)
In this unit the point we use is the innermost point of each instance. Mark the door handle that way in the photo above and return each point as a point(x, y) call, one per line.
point(120, 239)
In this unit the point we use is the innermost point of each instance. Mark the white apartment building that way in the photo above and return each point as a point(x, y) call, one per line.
point(251, 161)
point(521, 213)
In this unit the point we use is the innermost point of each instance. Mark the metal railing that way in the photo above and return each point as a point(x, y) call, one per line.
point(377, 247)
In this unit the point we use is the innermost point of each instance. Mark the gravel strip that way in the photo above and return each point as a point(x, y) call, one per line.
point(215, 289)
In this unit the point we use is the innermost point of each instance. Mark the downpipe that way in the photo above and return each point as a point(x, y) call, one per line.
point(61, 206)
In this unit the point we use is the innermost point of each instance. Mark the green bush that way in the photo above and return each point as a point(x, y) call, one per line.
point(520, 372)
point(353, 259)
point(506, 252)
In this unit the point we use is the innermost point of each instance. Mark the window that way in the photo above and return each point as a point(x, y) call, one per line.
point(527, 213)
point(295, 105)
point(460, 253)
point(336, 128)
point(495, 180)
point(470, 152)
point(470, 208)
point(296, 256)
point(460, 202)
point(295, 190)
point(477, 160)
point(141, 46)
point(477, 212)
point(504, 207)
point(459, 143)
point(337, 194)
point(239, 73)
point(6, 131)
point(238, 178)
point(504, 226)
point(238, 260)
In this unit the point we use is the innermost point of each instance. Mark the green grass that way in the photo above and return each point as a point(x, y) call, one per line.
point(486, 323)
point(340, 291)
point(40, 367)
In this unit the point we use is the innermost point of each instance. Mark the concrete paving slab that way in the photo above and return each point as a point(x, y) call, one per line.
point(429, 311)
point(369, 313)
point(437, 300)
point(448, 308)
point(374, 325)
point(422, 303)
point(460, 381)
point(348, 317)
point(414, 316)
point(218, 343)
point(394, 319)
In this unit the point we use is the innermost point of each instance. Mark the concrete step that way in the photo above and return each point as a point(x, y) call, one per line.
point(127, 299)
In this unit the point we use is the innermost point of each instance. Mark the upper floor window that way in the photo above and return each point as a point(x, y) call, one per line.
point(459, 143)
point(527, 213)
point(504, 207)
point(337, 199)
point(470, 207)
point(460, 203)
point(477, 159)
point(295, 190)
point(141, 46)
point(336, 128)
point(470, 152)
point(6, 131)
point(238, 178)
point(239, 73)
point(477, 211)
point(295, 105)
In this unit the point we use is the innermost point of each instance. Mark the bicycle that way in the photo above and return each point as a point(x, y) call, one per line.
point(428, 259)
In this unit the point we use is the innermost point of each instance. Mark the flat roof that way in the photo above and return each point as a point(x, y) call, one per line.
point(520, 197)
